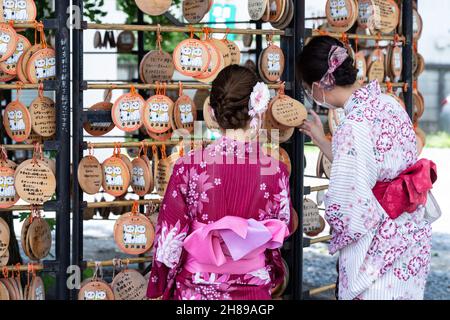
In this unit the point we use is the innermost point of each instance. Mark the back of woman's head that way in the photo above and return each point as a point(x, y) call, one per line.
point(313, 62)
point(230, 96)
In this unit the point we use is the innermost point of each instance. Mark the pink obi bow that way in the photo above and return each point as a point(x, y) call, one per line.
point(409, 190)
point(232, 244)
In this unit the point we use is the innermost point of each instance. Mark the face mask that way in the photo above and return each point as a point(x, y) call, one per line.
point(323, 104)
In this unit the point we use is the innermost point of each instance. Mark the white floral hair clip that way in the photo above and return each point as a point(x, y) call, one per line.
point(259, 102)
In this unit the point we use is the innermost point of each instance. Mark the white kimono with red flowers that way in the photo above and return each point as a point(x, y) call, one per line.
point(379, 258)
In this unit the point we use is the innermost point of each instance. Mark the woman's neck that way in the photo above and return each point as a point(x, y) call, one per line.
point(342, 94)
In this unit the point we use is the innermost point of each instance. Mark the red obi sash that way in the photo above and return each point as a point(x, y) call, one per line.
point(409, 190)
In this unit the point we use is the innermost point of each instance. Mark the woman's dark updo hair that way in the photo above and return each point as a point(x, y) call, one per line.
point(313, 62)
point(230, 95)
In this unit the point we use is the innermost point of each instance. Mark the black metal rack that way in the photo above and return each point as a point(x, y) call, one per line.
point(292, 42)
point(61, 144)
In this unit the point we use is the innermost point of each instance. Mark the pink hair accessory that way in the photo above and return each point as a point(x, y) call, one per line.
point(336, 57)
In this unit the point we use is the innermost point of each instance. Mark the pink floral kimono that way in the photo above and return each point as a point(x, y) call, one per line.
point(221, 224)
point(379, 258)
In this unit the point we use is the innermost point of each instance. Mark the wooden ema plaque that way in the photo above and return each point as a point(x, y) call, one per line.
point(216, 63)
point(157, 113)
point(235, 52)
point(341, 14)
point(185, 113)
point(43, 116)
point(163, 173)
point(224, 50)
point(286, 18)
point(154, 7)
point(98, 129)
point(417, 24)
point(387, 15)
point(366, 14)
point(311, 217)
point(127, 111)
point(23, 62)
point(8, 41)
point(279, 154)
point(257, 8)
point(8, 195)
point(4, 259)
point(18, 11)
point(4, 77)
point(191, 57)
point(90, 174)
point(35, 182)
point(126, 41)
point(288, 112)
point(4, 237)
point(10, 65)
point(96, 290)
point(272, 63)
point(195, 10)
point(41, 66)
point(335, 118)
point(376, 71)
point(134, 233)
point(276, 9)
point(17, 121)
point(361, 66)
point(39, 238)
point(116, 176)
point(36, 290)
point(141, 177)
point(129, 285)
point(127, 162)
point(396, 61)
point(157, 65)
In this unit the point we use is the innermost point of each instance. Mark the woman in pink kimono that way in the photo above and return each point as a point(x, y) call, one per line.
point(378, 188)
point(226, 211)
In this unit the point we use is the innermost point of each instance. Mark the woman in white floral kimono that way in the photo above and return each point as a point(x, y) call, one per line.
point(378, 188)
point(224, 217)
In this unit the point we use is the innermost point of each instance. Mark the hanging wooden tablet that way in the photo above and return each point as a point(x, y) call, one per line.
point(127, 162)
point(95, 290)
point(116, 175)
point(127, 111)
point(272, 63)
point(126, 41)
point(90, 174)
point(320, 197)
point(141, 177)
point(396, 61)
point(17, 121)
point(129, 284)
point(257, 8)
point(335, 118)
point(376, 71)
point(281, 155)
point(97, 40)
point(4, 237)
point(35, 182)
point(195, 10)
point(366, 14)
point(185, 113)
point(191, 57)
point(99, 128)
point(4, 77)
point(8, 41)
point(43, 116)
point(18, 11)
point(8, 195)
point(361, 66)
point(7, 284)
point(224, 50)
point(266, 15)
point(417, 24)
point(4, 259)
point(216, 63)
point(9, 66)
point(340, 14)
point(42, 66)
point(286, 18)
point(164, 171)
point(235, 53)
point(23, 62)
point(4, 295)
point(133, 232)
point(157, 113)
point(36, 289)
point(157, 65)
point(287, 111)
point(23, 237)
point(276, 9)
point(420, 65)
point(311, 217)
point(387, 15)
point(39, 238)
point(247, 40)
point(154, 7)
point(161, 136)
point(210, 121)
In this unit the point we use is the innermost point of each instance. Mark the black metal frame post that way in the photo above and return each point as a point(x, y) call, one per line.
point(62, 46)
point(77, 128)
point(407, 30)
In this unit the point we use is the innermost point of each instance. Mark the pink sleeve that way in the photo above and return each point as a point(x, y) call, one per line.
point(172, 229)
